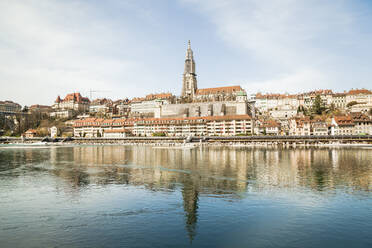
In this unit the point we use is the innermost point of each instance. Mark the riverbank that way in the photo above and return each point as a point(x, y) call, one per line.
point(234, 141)
point(184, 145)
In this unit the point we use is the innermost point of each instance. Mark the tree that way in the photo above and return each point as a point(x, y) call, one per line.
point(159, 134)
point(352, 103)
point(25, 109)
point(318, 105)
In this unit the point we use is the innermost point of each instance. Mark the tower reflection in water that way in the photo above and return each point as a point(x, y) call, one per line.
point(227, 172)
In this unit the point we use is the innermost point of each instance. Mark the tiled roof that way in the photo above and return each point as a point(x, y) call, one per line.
point(270, 123)
point(158, 96)
point(227, 89)
point(31, 131)
point(344, 120)
point(359, 117)
point(73, 97)
point(102, 101)
point(137, 99)
point(359, 91)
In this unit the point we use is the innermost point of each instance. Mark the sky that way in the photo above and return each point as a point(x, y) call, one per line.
point(130, 48)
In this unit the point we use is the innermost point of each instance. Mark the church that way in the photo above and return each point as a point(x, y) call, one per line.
point(194, 102)
point(190, 91)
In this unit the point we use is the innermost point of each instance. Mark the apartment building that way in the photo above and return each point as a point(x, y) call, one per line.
point(194, 126)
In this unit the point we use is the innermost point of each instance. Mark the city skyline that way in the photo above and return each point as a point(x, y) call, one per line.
point(133, 49)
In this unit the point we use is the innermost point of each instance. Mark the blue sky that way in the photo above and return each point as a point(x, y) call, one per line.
point(132, 48)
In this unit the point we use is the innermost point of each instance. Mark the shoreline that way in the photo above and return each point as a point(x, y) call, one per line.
point(190, 145)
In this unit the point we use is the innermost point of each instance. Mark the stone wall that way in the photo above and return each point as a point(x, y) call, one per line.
point(203, 109)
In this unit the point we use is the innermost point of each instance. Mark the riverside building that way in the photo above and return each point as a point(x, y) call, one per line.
point(188, 126)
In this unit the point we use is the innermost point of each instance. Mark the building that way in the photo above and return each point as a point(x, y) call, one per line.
point(63, 114)
point(189, 83)
point(121, 108)
point(359, 100)
point(188, 126)
point(319, 127)
point(190, 91)
point(53, 132)
point(9, 107)
point(267, 127)
point(30, 133)
point(43, 109)
point(73, 101)
point(307, 99)
point(227, 93)
point(116, 133)
point(339, 100)
point(70, 106)
point(283, 105)
point(342, 125)
point(103, 106)
point(283, 112)
point(146, 108)
point(362, 124)
point(352, 124)
point(90, 127)
point(300, 126)
point(160, 96)
point(193, 102)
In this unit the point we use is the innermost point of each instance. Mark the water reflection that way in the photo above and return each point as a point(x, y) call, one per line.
point(217, 172)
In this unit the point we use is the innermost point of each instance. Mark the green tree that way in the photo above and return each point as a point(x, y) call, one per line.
point(318, 106)
point(159, 134)
point(352, 103)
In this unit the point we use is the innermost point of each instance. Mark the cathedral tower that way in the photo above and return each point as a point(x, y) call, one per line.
point(189, 86)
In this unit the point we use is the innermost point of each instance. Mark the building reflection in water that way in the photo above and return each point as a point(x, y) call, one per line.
point(190, 194)
point(211, 171)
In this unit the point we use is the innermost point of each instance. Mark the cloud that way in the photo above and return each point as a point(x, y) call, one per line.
point(295, 44)
point(49, 48)
point(304, 79)
point(131, 48)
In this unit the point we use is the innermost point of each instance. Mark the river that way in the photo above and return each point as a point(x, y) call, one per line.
point(142, 196)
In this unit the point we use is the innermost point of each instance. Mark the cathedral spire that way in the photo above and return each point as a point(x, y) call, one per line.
point(189, 54)
point(189, 77)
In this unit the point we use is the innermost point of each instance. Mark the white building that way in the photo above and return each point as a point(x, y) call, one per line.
point(53, 132)
point(362, 99)
point(194, 126)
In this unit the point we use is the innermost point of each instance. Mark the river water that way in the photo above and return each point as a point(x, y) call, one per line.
point(140, 196)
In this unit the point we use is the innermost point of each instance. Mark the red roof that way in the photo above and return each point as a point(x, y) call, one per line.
point(76, 97)
point(359, 91)
point(158, 96)
point(270, 123)
point(33, 131)
point(344, 120)
point(227, 89)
